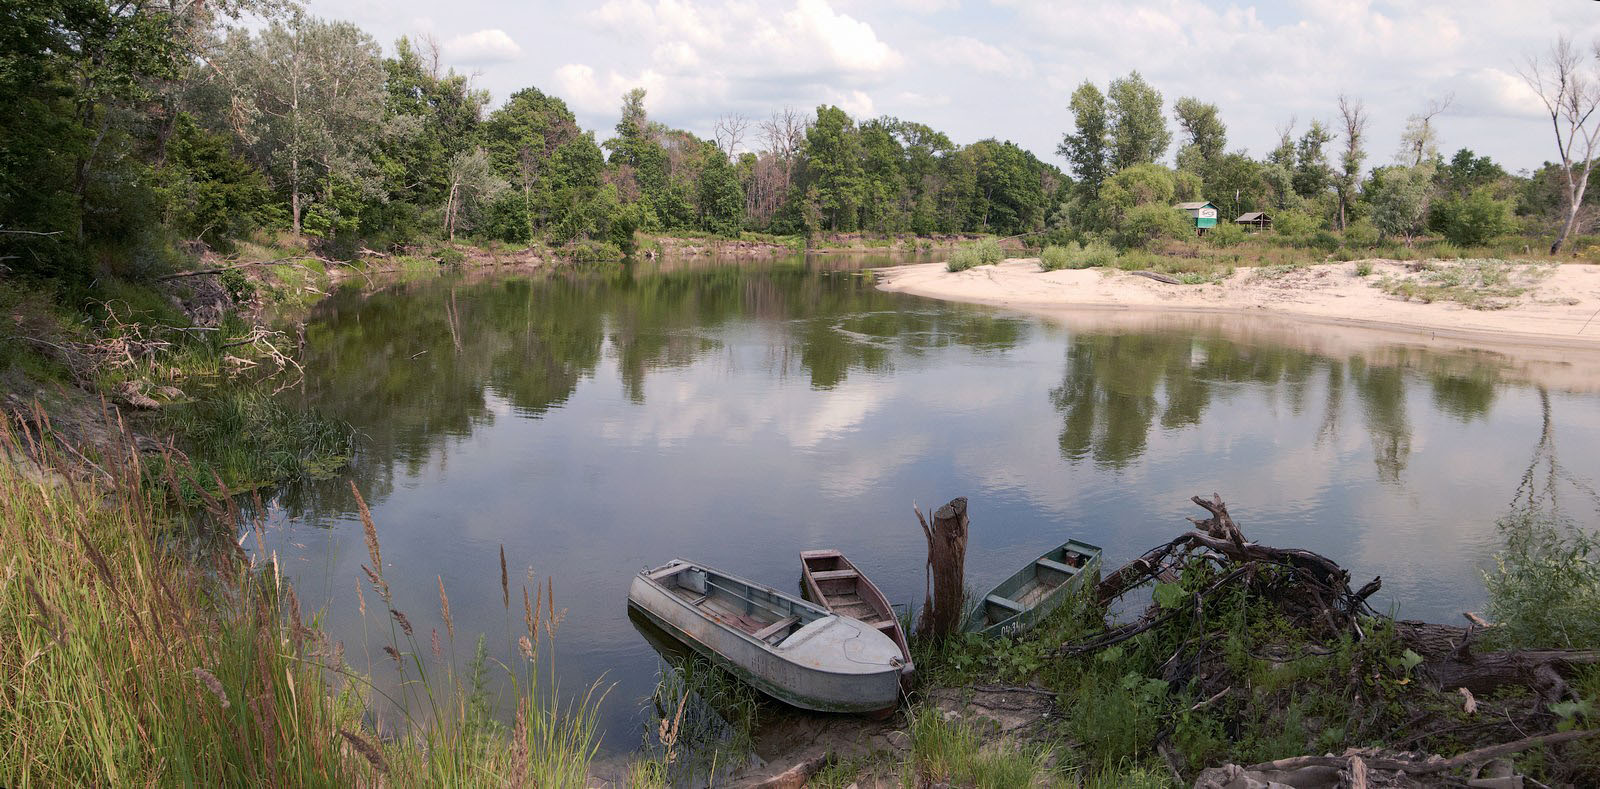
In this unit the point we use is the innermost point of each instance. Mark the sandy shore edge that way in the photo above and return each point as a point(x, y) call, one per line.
point(1558, 312)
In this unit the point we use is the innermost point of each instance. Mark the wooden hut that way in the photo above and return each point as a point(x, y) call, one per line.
point(1258, 220)
point(1203, 212)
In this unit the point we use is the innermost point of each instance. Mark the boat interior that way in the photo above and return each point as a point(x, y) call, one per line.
point(1036, 583)
point(841, 586)
point(764, 615)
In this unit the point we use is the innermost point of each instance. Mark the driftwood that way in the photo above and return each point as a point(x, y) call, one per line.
point(947, 559)
point(1158, 277)
point(1427, 766)
point(1314, 591)
point(218, 270)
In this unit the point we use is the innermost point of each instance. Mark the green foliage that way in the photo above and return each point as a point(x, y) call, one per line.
point(1399, 198)
point(1294, 223)
point(1054, 258)
point(1544, 591)
point(980, 253)
point(1472, 220)
point(1145, 224)
point(1225, 234)
point(1364, 268)
point(952, 753)
point(1139, 132)
point(248, 439)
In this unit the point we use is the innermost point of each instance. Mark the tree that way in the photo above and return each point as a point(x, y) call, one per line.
point(1205, 135)
point(720, 197)
point(1420, 141)
point(1089, 150)
point(833, 164)
point(473, 185)
point(1471, 220)
point(1354, 116)
point(1399, 196)
point(528, 141)
point(429, 118)
point(1467, 172)
point(1570, 94)
point(1139, 132)
point(310, 98)
point(1311, 171)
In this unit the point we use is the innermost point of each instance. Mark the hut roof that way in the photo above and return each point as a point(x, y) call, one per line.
point(1252, 216)
point(1195, 205)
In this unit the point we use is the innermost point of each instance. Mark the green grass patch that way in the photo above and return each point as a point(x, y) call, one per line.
point(1480, 284)
point(248, 439)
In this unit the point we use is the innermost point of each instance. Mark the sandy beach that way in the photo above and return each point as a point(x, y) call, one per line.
point(1552, 313)
point(1548, 335)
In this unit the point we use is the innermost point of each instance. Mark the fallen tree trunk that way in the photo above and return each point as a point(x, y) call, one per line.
point(1450, 661)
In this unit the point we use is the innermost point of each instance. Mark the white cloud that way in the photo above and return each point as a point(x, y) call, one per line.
point(974, 55)
point(707, 57)
point(490, 45)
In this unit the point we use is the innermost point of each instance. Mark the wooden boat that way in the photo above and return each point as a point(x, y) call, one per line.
point(834, 582)
point(792, 650)
point(1018, 603)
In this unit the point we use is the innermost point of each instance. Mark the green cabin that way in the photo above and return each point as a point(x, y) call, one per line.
point(1203, 213)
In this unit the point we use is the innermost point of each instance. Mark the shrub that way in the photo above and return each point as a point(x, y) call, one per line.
point(1294, 223)
point(1323, 240)
point(1545, 588)
point(1224, 235)
point(1099, 254)
point(1361, 233)
point(981, 253)
point(1364, 268)
point(1145, 224)
point(1053, 258)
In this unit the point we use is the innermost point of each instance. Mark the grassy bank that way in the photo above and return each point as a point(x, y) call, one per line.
point(132, 657)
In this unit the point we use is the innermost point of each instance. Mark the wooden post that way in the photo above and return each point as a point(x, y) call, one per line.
point(947, 561)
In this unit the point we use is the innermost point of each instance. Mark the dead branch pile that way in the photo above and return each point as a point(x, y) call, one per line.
point(1313, 593)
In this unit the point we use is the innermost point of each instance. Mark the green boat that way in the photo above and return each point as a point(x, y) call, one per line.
point(1018, 603)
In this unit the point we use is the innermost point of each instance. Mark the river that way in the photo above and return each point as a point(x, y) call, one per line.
point(593, 422)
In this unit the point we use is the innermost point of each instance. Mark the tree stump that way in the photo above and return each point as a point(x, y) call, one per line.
point(947, 561)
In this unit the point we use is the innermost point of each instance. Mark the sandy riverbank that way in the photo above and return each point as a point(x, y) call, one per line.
point(1540, 337)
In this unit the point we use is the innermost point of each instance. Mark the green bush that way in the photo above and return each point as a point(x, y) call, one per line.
point(1364, 268)
point(1360, 233)
point(1099, 254)
point(1470, 221)
point(1293, 223)
point(981, 253)
point(1053, 258)
point(1545, 588)
point(1323, 240)
point(1225, 235)
point(1151, 222)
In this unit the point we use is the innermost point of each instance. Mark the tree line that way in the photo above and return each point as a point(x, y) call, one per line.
point(134, 127)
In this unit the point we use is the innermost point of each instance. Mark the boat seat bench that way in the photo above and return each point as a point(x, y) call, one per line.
point(1052, 564)
point(1004, 602)
point(833, 575)
point(775, 628)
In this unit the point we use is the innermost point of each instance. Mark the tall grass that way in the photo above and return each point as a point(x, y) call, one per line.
point(126, 660)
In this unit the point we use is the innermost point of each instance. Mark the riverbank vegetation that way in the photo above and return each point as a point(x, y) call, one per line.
point(146, 646)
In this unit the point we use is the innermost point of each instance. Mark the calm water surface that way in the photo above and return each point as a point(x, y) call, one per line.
point(597, 422)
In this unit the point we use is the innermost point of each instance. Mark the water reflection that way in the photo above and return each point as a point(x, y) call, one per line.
point(596, 421)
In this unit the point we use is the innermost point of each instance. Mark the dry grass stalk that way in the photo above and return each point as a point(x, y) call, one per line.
point(505, 580)
point(395, 654)
point(519, 749)
point(212, 684)
point(525, 646)
point(444, 609)
point(399, 616)
point(527, 612)
point(370, 528)
point(366, 749)
point(361, 599)
point(438, 653)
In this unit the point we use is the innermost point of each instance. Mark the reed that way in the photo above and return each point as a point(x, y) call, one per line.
point(125, 660)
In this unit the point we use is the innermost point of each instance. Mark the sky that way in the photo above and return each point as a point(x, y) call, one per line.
point(1005, 68)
